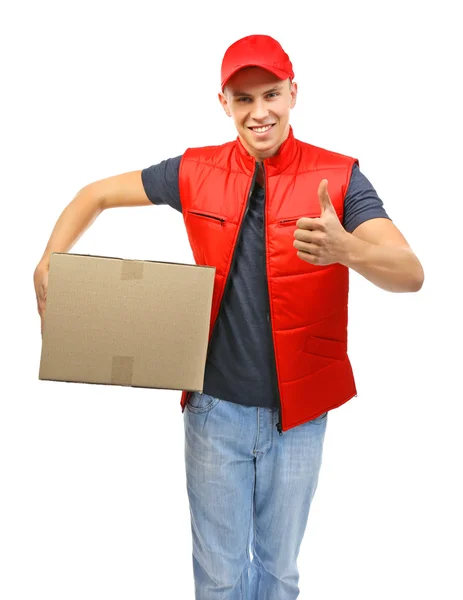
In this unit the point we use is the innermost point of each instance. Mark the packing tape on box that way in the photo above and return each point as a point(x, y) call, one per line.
point(122, 370)
point(122, 366)
point(132, 269)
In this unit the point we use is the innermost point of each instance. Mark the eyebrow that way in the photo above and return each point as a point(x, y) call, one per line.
point(274, 89)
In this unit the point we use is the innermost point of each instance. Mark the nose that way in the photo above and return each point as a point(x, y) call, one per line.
point(259, 110)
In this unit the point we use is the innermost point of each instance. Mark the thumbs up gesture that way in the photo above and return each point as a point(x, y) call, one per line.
point(322, 240)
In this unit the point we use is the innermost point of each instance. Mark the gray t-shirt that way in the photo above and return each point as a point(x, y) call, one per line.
point(240, 363)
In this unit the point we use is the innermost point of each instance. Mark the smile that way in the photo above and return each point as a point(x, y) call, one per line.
point(261, 129)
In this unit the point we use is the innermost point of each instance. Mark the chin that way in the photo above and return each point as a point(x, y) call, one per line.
point(265, 147)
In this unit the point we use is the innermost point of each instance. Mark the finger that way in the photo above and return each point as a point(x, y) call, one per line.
point(312, 249)
point(311, 237)
point(311, 224)
point(309, 258)
point(324, 197)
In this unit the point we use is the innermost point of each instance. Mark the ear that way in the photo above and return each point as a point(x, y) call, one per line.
point(224, 103)
point(293, 93)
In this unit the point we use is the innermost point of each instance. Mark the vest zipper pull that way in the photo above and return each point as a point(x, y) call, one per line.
point(278, 426)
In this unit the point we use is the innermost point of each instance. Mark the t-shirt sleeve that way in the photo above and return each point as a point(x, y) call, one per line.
point(361, 202)
point(161, 182)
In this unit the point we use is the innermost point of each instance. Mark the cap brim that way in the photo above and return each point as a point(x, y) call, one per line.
point(278, 72)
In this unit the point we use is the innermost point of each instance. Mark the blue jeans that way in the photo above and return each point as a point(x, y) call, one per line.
point(249, 491)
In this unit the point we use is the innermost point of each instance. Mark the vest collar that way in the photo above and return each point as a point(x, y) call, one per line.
point(273, 165)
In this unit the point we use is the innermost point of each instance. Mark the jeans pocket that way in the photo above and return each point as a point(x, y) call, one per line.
point(201, 403)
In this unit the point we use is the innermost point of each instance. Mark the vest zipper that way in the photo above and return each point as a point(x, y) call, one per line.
point(233, 260)
point(275, 378)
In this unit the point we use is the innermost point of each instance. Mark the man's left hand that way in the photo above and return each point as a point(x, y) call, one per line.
point(322, 240)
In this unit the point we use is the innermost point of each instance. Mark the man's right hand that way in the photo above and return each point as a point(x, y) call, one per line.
point(41, 287)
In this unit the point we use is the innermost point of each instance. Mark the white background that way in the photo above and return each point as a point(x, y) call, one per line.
point(93, 497)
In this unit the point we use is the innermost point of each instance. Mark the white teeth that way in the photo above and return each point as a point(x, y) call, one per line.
point(261, 129)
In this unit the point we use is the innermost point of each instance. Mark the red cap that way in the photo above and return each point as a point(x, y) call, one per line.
point(256, 51)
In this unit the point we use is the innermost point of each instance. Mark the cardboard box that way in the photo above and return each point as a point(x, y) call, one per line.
point(126, 322)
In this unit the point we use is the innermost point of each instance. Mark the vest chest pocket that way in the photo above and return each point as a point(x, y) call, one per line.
point(291, 264)
point(287, 222)
point(284, 233)
point(215, 219)
point(206, 232)
point(293, 220)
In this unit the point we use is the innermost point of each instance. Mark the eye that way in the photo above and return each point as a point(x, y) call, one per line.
point(274, 94)
point(243, 99)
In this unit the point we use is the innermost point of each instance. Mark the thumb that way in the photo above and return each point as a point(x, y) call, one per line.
point(323, 196)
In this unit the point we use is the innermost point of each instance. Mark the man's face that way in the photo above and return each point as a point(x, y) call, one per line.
point(256, 99)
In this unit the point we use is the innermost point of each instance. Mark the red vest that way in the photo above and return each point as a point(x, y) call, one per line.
point(308, 303)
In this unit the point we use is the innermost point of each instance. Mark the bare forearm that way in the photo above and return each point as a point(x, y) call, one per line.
point(391, 268)
point(75, 219)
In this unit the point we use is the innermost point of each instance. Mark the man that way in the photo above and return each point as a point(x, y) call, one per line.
point(282, 221)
